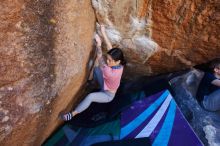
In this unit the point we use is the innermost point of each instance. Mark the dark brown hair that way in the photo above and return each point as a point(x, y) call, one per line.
point(117, 54)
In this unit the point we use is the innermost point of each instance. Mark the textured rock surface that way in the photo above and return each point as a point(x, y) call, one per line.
point(45, 47)
point(162, 36)
point(44, 51)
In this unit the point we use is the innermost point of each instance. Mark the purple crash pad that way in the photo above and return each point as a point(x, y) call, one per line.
point(159, 118)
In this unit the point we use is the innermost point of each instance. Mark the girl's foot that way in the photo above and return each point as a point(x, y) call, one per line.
point(67, 116)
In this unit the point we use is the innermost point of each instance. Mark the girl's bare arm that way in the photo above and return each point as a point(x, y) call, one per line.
point(106, 39)
point(100, 58)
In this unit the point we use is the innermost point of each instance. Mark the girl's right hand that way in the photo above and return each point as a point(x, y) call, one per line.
point(102, 28)
point(98, 40)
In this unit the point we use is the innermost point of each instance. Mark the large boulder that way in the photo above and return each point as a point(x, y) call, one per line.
point(46, 45)
point(44, 52)
point(162, 36)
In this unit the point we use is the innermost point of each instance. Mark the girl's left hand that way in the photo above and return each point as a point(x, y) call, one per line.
point(98, 40)
point(102, 28)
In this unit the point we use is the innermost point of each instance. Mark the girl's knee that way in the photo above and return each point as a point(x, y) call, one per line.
point(96, 69)
point(90, 96)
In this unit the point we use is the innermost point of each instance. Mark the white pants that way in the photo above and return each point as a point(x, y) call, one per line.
point(100, 97)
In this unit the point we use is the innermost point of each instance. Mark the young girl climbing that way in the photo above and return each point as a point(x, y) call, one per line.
point(107, 73)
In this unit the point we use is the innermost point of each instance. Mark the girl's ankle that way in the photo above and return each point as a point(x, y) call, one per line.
point(73, 113)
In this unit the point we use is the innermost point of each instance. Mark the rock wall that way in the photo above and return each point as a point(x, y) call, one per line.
point(162, 36)
point(45, 48)
point(44, 52)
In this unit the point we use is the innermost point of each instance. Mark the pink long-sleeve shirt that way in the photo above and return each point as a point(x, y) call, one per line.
point(112, 77)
